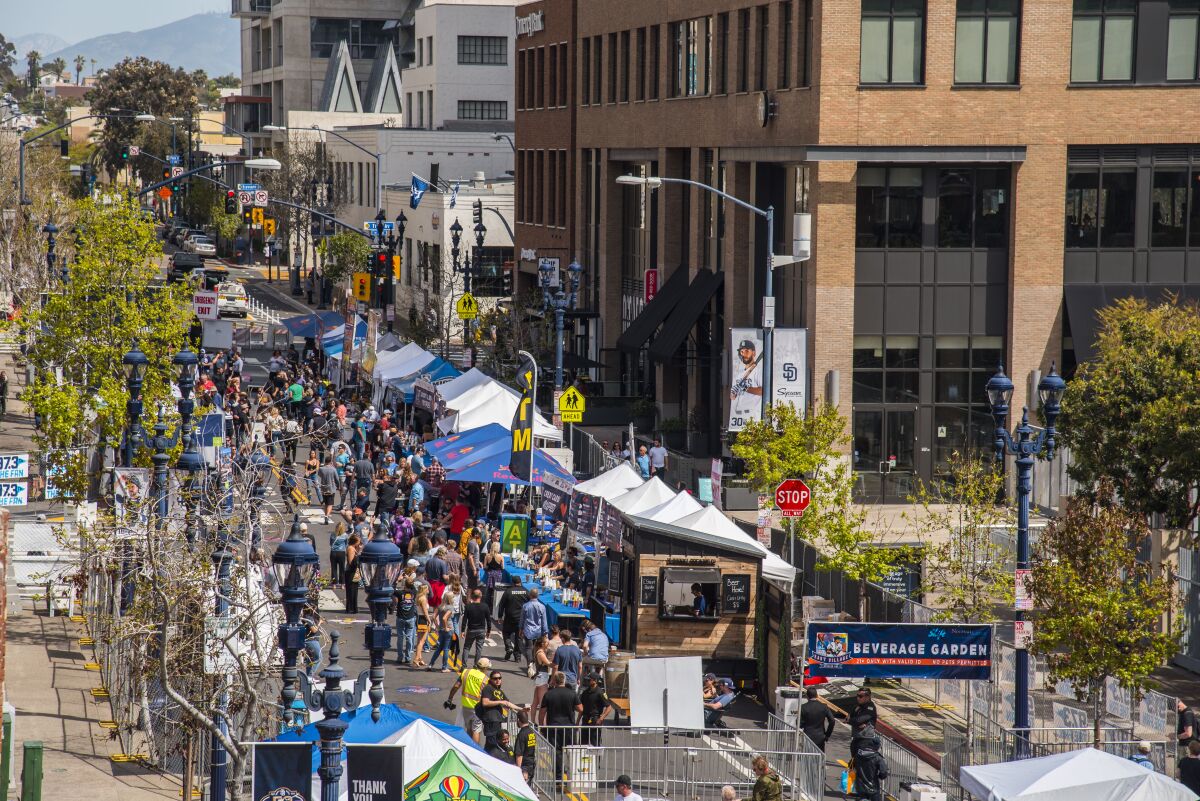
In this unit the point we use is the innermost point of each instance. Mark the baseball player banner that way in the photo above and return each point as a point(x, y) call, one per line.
point(789, 367)
point(899, 650)
point(745, 377)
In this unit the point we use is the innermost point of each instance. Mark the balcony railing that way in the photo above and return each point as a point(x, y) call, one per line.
point(250, 8)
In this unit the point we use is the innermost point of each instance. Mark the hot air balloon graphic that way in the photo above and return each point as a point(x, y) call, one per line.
point(455, 787)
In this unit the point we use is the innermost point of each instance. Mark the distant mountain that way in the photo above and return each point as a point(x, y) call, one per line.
point(209, 42)
point(42, 42)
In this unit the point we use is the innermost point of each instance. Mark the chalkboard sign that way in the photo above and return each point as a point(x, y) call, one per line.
point(614, 576)
point(649, 595)
point(735, 594)
point(903, 579)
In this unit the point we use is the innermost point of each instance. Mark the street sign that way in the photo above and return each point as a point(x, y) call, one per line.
point(164, 192)
point(572, 405)
point(1022, 633)
point(650, 285)
point(261, 196)
point(388, 226)
point(362, 286)
point(269, 227)
point(247, 187)
point(792, 497)
point(14, 493)
point(1023, 601)
point(205, 305)
point(176, 172)
point(134, 150)
point(14, 465)
point(371, 227)
point(466, 307)
point(244, 198)
point(172, 159)
point(256, 216)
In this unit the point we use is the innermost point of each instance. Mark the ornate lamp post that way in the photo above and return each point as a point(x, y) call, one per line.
point(1026, 445)
point(135, 364)
point(560, 301)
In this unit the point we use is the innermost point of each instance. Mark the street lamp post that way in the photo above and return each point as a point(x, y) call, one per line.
point(135, 363)
point(51, 232)
point(222, 556)
point(1027, 445)
point(654, 182)
point(560, 301)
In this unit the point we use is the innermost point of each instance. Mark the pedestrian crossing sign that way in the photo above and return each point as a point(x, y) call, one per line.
point(571, 406)
point(466, 307)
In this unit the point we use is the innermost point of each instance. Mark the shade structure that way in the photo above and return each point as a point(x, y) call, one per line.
point(451, 778)
point(491, 403)
point(397, 363)
point(611, 483)
point(649, 495)
point(711, 524)
point(1084, 775)
point(492, 467)
point(670, 511)
point(465, 442)
point(453, 390)
point(333, 338)
point(437, 370)
point(313, 325)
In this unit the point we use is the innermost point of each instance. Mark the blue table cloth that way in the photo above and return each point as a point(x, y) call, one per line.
point(612, 628)
point(556, 609)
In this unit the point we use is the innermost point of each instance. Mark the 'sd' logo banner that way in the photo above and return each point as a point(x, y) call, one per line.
point(375, 772)
point(282, 772)
point(520, 462)
point(899, 651)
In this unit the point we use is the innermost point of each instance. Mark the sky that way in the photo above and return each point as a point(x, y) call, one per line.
point(76, 20)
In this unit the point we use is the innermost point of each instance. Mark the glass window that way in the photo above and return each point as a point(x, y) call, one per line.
point(868, 352)
point(985, 41)
point(904, 207)
point(690, 49)
point(991, 207)
point(1194, 210)
point(954, 208)
point(951, 352)
point(1118, 196)
point(482, 110)
point(1083, 192)
point(1102, 43)
point(1169, 208)
point(868, 386)
point(901, 352)
point(871, 214)
point(901, 387)
point(987, 353)
point(893, 39)
point(1182, 35)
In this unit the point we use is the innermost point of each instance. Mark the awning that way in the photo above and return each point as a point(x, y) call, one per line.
point(1085, 300)
point(645, 324)
point(313, 325)
point(677, 327)
point(573, 361)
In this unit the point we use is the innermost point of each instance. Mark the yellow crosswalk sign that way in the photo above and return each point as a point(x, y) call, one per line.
point(571, 406)
point(466, 307)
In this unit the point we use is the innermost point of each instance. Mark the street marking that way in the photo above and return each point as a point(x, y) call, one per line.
point(91, 665)
point(107, 724)
point(130, 757)
point(99, 692)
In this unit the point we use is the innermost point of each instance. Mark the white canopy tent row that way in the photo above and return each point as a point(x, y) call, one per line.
point(489, 402)
point(1084, 775)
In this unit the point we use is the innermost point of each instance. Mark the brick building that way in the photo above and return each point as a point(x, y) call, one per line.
point(981, 174)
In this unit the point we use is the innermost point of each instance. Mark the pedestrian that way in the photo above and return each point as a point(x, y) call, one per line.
point(339, 541)
point(475, 615)
point(354, 548)
point(625, 789)
point(435, 574)
point(658, 458)
point(595, 645)
point(311, 620)
point(494, 707)
point(3, 392)
point(559, 712)
point(511, 603)
point(311, 466)
point(543, 667)
point(525, 747)
point(870, 769)
point(1189, 767)
point(502, 749)
point(595, 709)
point(767, 787)
point(1185, 726)
point(445, 637)
point(815, 719)
point(1142, 756)
point(533, 621)
point(728, 793)
point(493, 569)
point(406, 618)
point(327, 480)
point(714, 708)
point(568, 658)
point(864, 712)
point(471, 682)
point(643, 462)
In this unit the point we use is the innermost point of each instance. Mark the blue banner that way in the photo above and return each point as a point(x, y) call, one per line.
point(899, 651)
point(282, 772)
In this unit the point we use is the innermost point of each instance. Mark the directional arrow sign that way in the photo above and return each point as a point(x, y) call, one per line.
point(571, 406)
point(176, 172)
point(14, 465)
point(792, 497)
point(260, 197)
point(134, 150)
point(466, 307)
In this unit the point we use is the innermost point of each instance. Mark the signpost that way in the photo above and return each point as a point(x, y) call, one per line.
point(134, 150)
point(466, 307)
point(650, 285)
point(572, 405)
point(792, 497)
point(261, 197)
point(205, 305)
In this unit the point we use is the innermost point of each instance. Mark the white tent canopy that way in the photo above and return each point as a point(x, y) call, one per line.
point(455, 387)
point(1085, 775)
point(386, 364)
point(649, 495)
point(611, 483)
point(716, 526)
point(491, 403)
point(670, 511)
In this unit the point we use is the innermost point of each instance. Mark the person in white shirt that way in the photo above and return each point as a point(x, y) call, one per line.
point(625, 789)
point(658, 458)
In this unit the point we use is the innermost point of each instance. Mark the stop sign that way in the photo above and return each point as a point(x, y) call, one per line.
point(792, 497)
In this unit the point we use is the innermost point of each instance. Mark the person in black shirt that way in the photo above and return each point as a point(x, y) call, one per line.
point(595, 709)
point(501, 749)
point(560, 708)
point(493, 708)
point(1189, 768)
point(1185, 727)
point(864, 710)
point(815, 719)
point(475, 617)
point(525, 747)
point(510, 620)
point(386, 492)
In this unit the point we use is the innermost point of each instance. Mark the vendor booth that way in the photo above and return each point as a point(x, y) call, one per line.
point(1084, 775)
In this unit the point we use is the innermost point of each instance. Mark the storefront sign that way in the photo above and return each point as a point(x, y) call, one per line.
point(899, 651)
point(649, 591)
point(735, 594)
point(556, 497)
point(528, 254)
point(650, 285)
point(745, 377)
point(531, 24)
point(789, 367)
point(424, 394)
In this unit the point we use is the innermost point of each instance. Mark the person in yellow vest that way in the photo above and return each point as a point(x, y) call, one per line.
point(471, 681)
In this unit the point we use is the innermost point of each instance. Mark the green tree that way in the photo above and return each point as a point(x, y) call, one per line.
point(8, 59)
point(33, 62)
point(967, 574)
point(787, 444)
point(144, 86)
point(86, 327)
point(57, 66)
point(343, 254)
point(1100, 611)
point(1131, 416)
point(79, 62)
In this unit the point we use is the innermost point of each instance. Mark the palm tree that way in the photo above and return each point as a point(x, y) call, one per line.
point(79, 62)
point(57, 66)
point(33, 59)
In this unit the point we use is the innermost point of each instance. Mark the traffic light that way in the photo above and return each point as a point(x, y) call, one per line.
point(125, 154)
point(506, 279)
point(477, 212)
point(166, 173)
point(246, 217)
point(381, 264)
point(396, 267)
point(231, 202)
point(64, 148)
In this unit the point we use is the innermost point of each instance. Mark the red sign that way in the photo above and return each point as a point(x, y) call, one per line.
point(792, 497)
point(650, 285)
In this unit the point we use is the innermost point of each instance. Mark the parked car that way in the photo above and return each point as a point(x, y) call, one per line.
point(189, 236)
point(209, 277)
point(202, 245)
point(183, 264)
point(232, 300)
point(179, 236)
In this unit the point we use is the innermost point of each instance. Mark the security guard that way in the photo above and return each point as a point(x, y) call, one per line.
point(472, 681)
point(525, 746)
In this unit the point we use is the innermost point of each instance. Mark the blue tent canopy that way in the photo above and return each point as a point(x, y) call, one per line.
point(492, 467)
point(473, 438)
point(332, 343)
point(438, 370)
point(312, 325)
point(363, 730)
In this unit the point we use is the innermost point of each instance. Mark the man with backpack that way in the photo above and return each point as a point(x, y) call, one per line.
point(406, 619)
point(870, 768)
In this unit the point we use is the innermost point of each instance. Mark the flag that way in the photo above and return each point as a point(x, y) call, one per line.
point(520, 460)
point(454, 194)
point(419, 186)
point(282, 770)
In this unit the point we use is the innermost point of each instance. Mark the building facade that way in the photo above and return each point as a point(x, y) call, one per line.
point(981, 177)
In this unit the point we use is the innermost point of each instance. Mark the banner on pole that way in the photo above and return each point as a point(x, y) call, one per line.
point(520, 460)
point(375, 772)
point(582, 516)
point(282, 772)
point(899, 650)
point(745, 377)
point(556, 497)
point(789, 367)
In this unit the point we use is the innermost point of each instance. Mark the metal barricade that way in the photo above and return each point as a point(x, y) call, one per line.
point(902, 765)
